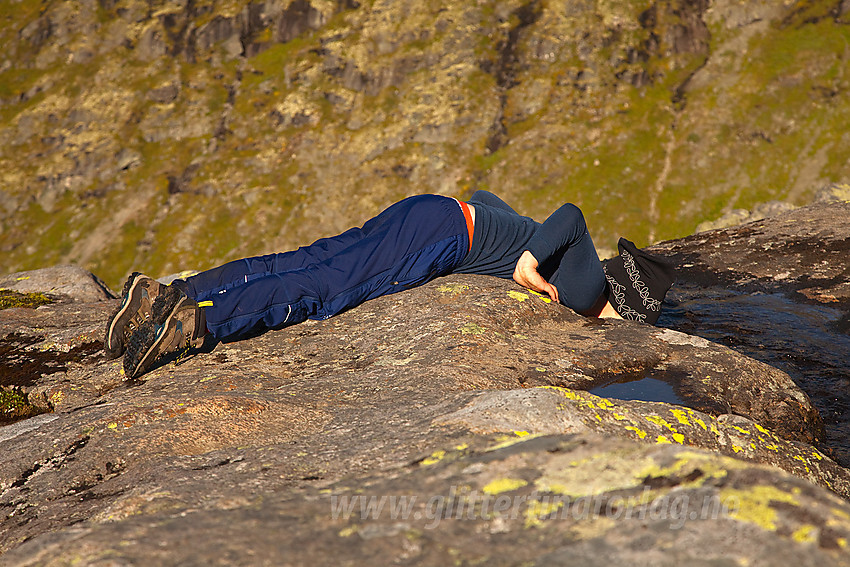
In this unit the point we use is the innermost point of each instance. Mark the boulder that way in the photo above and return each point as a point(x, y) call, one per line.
point(70, 282)
point(551, 410)
point(777, 290)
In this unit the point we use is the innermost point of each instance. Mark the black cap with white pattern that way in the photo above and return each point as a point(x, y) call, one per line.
point(637, 282)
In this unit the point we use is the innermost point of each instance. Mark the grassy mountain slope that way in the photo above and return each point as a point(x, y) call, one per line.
point(160, 135)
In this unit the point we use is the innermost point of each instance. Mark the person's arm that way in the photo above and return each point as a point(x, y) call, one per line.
point(561, 230)
point(526, 275)
point(563, 227)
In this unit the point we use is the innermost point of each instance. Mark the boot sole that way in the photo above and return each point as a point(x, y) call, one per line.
point(113, 344)
point(145, 344)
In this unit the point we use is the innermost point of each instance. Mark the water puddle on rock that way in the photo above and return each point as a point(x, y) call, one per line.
point(647, 389)
point(804, 340)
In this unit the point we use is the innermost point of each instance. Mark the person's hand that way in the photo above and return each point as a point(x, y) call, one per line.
point(526, 275)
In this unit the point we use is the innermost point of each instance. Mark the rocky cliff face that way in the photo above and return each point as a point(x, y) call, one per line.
point(162, 134)
point(463, 407)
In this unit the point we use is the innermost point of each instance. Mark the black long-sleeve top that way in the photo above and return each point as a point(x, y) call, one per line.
point(561, 245)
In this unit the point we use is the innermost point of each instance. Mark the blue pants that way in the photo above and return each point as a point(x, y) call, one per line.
point(408, 244)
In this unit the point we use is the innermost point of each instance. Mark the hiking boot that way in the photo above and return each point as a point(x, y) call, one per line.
point(176, 325)
point(138, 296)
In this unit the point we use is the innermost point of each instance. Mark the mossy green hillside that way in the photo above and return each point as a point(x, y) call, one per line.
point(649, 120)
point(787, 112)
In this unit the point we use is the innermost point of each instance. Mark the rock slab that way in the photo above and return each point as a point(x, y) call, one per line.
point(467, 392)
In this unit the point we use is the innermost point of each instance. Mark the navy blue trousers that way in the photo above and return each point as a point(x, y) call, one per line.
point(408, 244)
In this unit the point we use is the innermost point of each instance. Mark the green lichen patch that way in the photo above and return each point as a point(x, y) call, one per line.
point(472, 329)
point(9, 299)
point(15, 406)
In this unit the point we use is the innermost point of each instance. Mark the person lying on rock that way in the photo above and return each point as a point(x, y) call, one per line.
point(408, 244)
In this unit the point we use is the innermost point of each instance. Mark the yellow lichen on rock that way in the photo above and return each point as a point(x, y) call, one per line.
point(472, 329)
point(518, 295)
point(754, 504)
point(537, 510)
point(453, 288)
point(434, 458)
point(501, 485)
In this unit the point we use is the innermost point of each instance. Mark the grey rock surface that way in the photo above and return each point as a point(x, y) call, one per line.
point(69, 282)
point(777, 290)
point(546, 500)
point(467, 389)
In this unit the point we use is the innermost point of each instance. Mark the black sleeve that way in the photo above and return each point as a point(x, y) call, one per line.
point(556, 233)
point(489, 199)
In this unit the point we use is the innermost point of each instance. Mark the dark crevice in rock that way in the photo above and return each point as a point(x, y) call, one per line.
point(107, 5)
point(189, 51)
point(690, 35)
point(82, 488)
point(97, 403)
point(222, 130)
point(679, 98)
point(217, 464)
point(804, 13)
point(669, 32)
point(504, 70)
point(506, 67)
point(252, 25)
point(176, 27)
point(182, 183)
point(91, 495)
point(53, 462)
point(298, 17)
point(499, 132)
point(233, 89)
point(21, 366)
point(38, 32)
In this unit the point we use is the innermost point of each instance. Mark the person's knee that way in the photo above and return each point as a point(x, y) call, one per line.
point(591, 308)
